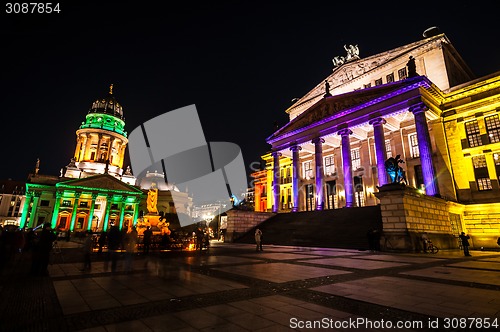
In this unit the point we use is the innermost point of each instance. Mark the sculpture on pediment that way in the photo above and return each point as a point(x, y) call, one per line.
point(396, 172)
point(412, 67)
point(338, 61)
point(352, 52)
point(327, 89)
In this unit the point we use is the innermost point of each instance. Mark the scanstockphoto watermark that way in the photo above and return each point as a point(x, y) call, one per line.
point(369, 324)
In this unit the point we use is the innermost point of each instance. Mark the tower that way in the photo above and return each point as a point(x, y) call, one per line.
point(101, 141)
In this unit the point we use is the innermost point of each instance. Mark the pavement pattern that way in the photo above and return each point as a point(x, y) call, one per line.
point(231, 287)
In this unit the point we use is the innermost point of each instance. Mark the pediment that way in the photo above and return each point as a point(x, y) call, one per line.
point(349, 71)
point(101, 181)
point(329, 106)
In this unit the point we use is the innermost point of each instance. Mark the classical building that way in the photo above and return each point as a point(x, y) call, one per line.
point(420, 104)
point(12, 199)
point(94, 190)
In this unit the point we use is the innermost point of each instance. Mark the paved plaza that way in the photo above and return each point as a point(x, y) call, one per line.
point(231, 287)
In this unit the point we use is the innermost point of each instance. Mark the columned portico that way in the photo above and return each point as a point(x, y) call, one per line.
point(295, 177)
point(276, 180)
point(347, 166)
point(425, 149)
point(380, 151)
point(319, 174)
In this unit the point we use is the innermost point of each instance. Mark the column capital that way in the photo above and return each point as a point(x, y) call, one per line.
point(377, 121)
point(78, 194)
point(276, 154)
point(318, 140)
point(344, 132)
point(59, 194)
point(418, 108)
point(295, 148)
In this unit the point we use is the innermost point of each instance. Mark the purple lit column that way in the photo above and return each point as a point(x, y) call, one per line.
point(295, 177)
point(320, 181)
point(425, 149)
point(347, 167)
point(276, 180)
point(380, 152)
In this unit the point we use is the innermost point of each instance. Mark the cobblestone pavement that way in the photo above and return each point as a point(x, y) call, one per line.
point(231, 287)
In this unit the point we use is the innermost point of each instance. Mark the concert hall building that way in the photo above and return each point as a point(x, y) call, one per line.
point(419, 102)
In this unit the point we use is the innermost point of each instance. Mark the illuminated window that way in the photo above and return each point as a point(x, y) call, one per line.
point(369, 85)
point(472, 131)
point(390, 78)
point(412, 139)
point(402, 73)
point(493, 128)
point(66, 203)
point(329, 165)
point(308, 172)
point(388, 149)
point(378, 81)
point(481, 173)
point(355, 159)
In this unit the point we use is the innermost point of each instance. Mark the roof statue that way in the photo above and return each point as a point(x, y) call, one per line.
point(352, 54)
point(412, 67)
point(327, 89)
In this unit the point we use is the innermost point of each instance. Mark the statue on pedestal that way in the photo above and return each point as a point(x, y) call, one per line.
point(396, 172)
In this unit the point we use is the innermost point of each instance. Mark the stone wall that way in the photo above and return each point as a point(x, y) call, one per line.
point(406, 214)
point(482, 223)
point(240, 222)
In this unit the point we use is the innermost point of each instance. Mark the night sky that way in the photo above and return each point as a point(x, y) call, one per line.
point(240, 63)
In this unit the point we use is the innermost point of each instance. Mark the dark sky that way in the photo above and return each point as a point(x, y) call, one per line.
point(240, 63)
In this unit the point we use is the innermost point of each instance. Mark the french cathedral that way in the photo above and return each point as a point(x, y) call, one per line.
point(94, 190)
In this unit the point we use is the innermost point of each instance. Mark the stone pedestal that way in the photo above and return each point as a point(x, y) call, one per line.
point(407, 213)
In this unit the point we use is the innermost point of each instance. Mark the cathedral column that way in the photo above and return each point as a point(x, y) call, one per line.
point(276, 180)
point(122, 211)
point(319, 173)
point(136, 212)
point(26, 207)
point(425, 149)
point(88, 142)
point(109, 157)
point(380, 150)
point(91, 212)
point(55, 213)
point(295, 177)
point(347, 167)
point(106, 214)
point(75, 210)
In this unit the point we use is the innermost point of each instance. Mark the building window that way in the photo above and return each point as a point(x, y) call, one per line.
point(493, 128)
point(359, 195)
point(329, 165)
point(369, 85)
point(44, 202)
point(66, 203)
point(388, 149)
point(412, 139)
point(472, 131)
point(355, 159)
point(402, 73)
point(62, 222)
point(496, 159)
point(84, 204)
point(308, 172)
point(378, 81)
point(481, 173)
point(390, 78)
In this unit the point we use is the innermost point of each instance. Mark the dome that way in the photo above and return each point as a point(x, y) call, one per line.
point(156, 180)
point(108, 105)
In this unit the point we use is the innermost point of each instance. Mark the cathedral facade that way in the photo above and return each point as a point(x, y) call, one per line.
point(94, 190)
point(418, 106)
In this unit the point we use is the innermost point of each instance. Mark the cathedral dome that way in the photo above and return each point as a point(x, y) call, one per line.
point(108, 105)
point(156, 180)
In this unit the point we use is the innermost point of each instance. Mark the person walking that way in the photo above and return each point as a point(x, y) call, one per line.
point(41, 256)
point(88, 248)
point(114, 242)
point(465, 243)
point(130, 248)
point(146, 240)
point(258, 240)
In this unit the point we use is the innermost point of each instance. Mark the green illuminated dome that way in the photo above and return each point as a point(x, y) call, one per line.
point(106, 113)
point(108, 105)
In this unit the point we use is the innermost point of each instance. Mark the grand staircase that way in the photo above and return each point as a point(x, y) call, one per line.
point(342, 228)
